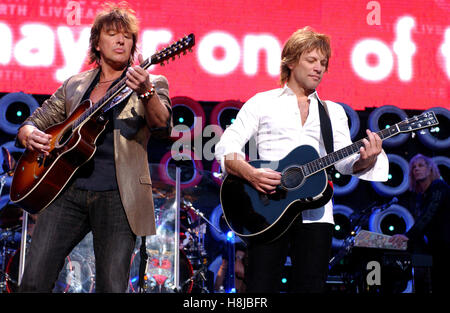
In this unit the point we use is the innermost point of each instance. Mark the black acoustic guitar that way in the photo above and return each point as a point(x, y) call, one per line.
point(257, 217)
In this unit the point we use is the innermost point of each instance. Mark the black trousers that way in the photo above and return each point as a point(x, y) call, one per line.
point(309, 247)
point(64, 223)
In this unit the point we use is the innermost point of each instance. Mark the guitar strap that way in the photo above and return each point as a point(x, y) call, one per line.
point(327, 132)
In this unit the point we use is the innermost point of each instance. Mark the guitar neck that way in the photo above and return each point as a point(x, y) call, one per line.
point(334, 157)
point(109, 95)
point(120, 91)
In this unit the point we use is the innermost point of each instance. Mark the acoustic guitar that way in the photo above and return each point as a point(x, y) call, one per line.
point(38, 178)
point(257, 217)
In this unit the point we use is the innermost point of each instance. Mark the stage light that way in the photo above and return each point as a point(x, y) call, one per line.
point(190, 165)
point(342, 224)
point(353, 119)
point(437, 138)
point(344, 184)
point(384, 117)
point(221, 230)
point(230, 236)
point(188, 117)
point(443, 164)
point(224, 113)
point(216, 170)
point(284, 280)
point(393, 220)
point(393, 224)
point(398, 178)
point(435, 129)
point(14, 110)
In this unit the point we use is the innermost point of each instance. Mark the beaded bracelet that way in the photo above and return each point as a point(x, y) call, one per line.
point(148, 94)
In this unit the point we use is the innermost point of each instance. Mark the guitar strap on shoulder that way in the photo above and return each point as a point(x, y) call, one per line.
point(327, 131)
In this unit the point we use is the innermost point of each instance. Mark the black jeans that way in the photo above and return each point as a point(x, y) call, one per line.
point(309, 246)
point(63, 224)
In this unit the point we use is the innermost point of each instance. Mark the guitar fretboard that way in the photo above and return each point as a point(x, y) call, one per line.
point(112, 97)
point(120, 91)
point(426, 119)
point(334, 157)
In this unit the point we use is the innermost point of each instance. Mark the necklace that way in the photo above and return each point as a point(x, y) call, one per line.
point(104, 82)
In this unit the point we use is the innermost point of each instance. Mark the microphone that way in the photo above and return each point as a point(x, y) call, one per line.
point(386, 205)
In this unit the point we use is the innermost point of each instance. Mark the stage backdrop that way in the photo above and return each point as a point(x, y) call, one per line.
point(384, 52)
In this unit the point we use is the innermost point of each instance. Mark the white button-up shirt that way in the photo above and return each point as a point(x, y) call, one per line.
point(271, 121)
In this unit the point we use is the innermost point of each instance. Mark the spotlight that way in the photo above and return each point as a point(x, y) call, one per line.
point(353, 119)
point(344, 184)
point(342, 224)
point(224, 113)
point(190, 165)
point(384, 117)
point(393, 224)
point(220, 230)
point(230, 236)
point(14, 110)
point(394, 220)
point(437, 138)
point(443, 164)
point(188, 118)
point(398, 179)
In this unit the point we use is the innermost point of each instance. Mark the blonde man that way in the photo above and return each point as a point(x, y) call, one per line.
point(430, 233)
point(280, 120)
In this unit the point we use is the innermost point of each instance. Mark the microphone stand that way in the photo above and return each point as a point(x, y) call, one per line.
point(198, 213)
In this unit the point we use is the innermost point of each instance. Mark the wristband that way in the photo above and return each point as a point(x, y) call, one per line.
point(148, 94)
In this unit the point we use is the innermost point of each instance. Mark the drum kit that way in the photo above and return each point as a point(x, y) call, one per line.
point(189, 261)
point(167, 268)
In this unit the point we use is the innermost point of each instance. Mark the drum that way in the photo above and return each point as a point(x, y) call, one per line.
point(159, 275)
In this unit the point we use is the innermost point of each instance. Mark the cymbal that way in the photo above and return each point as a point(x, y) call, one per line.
point(10, 216)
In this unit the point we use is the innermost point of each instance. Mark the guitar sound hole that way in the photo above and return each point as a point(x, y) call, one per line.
point(292, 178)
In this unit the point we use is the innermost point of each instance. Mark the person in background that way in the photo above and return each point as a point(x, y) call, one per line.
point(430, 233)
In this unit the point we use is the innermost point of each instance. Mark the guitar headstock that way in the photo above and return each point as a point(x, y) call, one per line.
point(180, 46)
point(417, 122)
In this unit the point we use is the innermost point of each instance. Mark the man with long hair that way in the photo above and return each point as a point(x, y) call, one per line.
point(281, 120)
point(430, 233)
point(111, 194)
